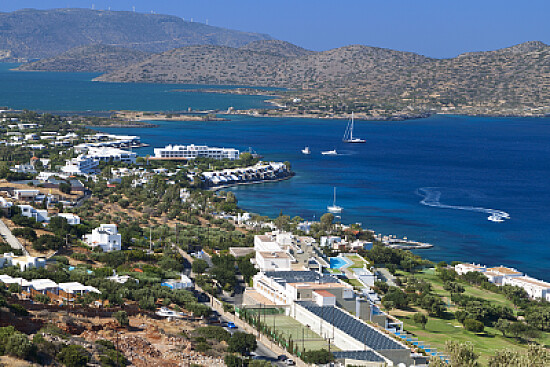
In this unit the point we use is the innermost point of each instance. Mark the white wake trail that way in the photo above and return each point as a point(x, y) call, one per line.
point(432, 197)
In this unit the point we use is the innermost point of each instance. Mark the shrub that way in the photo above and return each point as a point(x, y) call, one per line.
point(322, 356)
point(214, 332)
point(122, 318)
point(474, 325)
point(74, 356)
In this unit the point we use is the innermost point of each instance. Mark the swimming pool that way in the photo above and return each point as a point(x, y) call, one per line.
point(338, 262)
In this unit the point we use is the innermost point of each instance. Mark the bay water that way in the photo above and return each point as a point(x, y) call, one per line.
point(434, 180)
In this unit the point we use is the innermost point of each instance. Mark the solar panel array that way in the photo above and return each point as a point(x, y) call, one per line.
point(353, 327)
point(358, 355)
point(307, 276)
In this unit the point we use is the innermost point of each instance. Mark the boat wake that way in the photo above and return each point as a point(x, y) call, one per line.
point(432, 196)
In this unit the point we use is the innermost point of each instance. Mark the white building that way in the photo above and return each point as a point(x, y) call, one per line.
point(498, 274)
point(26, 195)
point(106, 154)
point(81, 165)
point(106, 237)
point(68, 292)
point(23, 168)
point(40, 215)
point(183, 283)
point(285, 287)
point(23, 262)
point(72, 219)
point(462, 269)
point(324, 298)
point(273, 261)
point(195, 151)
point(536, 289)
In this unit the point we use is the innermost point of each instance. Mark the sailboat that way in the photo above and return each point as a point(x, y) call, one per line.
point(334, 208)
point(348, 135)
point(306, 151)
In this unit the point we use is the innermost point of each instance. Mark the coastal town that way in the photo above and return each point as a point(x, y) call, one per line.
point(290, 183)
point(103, 250)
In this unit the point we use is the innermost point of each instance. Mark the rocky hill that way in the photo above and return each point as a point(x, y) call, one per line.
point(33, 33)
point(277, 47)
point(269, 66)
point(94, 58)
point(511, 78)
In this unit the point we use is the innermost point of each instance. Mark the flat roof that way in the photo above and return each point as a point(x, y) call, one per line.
point(505, 270)
point(533, 281)
point(304, 276)
point(324, 293)
point(274, 255)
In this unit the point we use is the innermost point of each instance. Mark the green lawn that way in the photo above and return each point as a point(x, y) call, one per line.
point(438, 331)
point(355, 283)
point(357, 261)
point(437, 285)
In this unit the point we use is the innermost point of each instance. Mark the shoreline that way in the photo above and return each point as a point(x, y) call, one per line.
point(217, 188)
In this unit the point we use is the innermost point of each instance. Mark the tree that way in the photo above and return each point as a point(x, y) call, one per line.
point(232, 360)
point(506, 358)
point(65, 188)
point(474, 325)
point(536, 356)
point(461, 354)
point(242, 343)
point(502, 325)
point(199, 266)
point(74, 356)
point(517, 329)
point(122, 318)
point(398, 297)
point(421, 319)
point(326, 221)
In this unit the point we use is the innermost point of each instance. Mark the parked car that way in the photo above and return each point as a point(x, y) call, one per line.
point(231, 325)
point(290, 362)
point(282, 357)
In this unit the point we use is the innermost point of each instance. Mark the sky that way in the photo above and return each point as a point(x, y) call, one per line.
point(443, 28)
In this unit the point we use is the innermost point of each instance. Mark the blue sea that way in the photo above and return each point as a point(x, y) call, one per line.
point(434, 180)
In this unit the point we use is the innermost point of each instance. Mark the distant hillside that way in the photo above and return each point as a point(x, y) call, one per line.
point(513, 77)
point(276, 47)
point(33, 33)
point(226, 65)
point(95, 58)
point(202, 65)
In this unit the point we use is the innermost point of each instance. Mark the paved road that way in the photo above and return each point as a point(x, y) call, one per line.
point(11, 239)
point(263, 352)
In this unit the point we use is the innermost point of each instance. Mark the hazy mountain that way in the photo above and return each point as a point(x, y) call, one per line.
point(33, 33)
point(94, 58)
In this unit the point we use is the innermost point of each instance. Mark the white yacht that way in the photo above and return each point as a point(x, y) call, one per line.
point(334, 208)
point(330, 152)
point(306, 151)
point(348, 134)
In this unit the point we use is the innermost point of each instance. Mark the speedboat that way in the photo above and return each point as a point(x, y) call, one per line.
point(330, 152)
